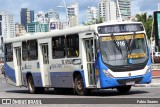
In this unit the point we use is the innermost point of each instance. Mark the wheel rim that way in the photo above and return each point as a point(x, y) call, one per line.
point(79, 86)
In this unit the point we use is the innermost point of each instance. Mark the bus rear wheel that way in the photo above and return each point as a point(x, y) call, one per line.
point(79, 86)
point(124, 89)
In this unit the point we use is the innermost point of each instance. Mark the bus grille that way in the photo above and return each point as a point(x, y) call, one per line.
point(123, 81)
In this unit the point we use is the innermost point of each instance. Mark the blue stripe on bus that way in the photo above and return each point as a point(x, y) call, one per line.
point(64, 79)
point(9, 72)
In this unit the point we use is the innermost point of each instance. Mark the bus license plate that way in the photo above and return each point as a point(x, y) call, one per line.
point(130, 83)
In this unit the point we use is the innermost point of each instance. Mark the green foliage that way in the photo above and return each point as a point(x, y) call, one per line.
point(147, 22)
point(94, 21)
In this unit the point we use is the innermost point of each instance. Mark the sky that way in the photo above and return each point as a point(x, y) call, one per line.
point(14, 6)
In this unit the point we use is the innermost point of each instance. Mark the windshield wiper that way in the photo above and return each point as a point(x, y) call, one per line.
point(115, 42)
point(128, 45)
point(131, 42)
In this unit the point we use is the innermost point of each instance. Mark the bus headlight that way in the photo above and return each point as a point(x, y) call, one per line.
point(107, 74)
point(148, 69)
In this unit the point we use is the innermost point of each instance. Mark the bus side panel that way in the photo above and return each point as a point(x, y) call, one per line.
point(62, 79)
point(36, 77)
point(33, 68)
point(10, 73)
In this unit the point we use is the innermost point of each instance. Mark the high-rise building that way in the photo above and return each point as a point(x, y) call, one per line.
point(27, 16)
point(114, 9)
point(32, 15)
point(52, 14)
point(48, 17)
point(40, 17)
point(37, 27)
point(92, 13)
point(20, 30)
point(102, 9)
point(7, 28)
point(125, 8)
point(7, 25)
point(56, 25)
point(73, 13)
point(111, 10)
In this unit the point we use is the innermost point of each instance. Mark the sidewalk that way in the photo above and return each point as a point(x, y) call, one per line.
point(155, 83)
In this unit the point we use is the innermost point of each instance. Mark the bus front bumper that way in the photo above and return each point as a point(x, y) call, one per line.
point(114, 82)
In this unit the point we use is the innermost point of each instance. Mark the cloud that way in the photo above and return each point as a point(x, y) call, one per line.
point(142, 6)
point(148, 4)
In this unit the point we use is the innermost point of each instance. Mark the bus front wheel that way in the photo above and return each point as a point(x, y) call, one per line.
point(124, 89)
point(32, 88)
point(79, 86)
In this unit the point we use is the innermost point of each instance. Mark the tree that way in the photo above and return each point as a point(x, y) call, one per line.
point(147, 22)
point(94, 21)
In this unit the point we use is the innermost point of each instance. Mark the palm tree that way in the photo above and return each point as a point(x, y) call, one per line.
point(147, 22)
point(94, 21)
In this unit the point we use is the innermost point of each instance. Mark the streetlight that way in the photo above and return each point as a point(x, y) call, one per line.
point(66, 11)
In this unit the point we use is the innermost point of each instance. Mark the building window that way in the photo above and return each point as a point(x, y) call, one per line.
point(58, 47)
point(9, 52)
point(72, 45)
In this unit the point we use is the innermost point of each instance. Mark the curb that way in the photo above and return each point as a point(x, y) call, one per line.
point(155, 83)
point(155, 77)
point(148, 85)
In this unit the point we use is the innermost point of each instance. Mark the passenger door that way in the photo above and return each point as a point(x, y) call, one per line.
point(45, 67)
point(18, 66)
point(90, 56)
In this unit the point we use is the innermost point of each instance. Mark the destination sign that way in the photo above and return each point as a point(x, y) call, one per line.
point(120, 37)
point(138, 55)
point(120, 28)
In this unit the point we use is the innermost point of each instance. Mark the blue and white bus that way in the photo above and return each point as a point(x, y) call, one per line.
point(101, 56)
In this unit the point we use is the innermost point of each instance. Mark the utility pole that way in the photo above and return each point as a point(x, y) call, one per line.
point(66, 12)
point(152, 40)
point(65, 6)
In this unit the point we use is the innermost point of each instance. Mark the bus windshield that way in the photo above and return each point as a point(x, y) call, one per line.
point(123, 49)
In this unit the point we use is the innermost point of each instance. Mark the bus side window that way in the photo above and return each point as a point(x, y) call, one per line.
point(24, 51)
point(58, 47)
point(32, 50)
point(72, 45)
point(9, 52)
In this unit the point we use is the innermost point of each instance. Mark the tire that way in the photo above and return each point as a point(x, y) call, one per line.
point(124, 89)
point(31, 86)
point(79, 86)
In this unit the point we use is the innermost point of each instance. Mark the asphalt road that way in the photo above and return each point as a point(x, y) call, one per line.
point(96, 98)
